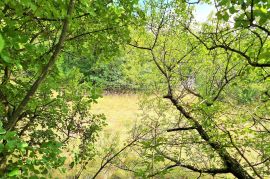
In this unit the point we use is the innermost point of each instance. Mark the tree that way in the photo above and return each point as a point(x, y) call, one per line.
point(215, 116)
point(241, 27)
point(42, 103)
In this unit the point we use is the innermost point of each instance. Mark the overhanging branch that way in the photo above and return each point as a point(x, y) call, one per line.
point(181, 129)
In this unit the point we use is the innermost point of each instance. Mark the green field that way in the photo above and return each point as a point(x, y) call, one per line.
point(121, 112)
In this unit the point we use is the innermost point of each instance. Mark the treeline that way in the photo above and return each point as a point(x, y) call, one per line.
point(105, 72)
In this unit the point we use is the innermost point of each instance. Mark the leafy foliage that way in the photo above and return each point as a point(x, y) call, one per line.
point(215, 84)
point(45, 99)
point(56, 56)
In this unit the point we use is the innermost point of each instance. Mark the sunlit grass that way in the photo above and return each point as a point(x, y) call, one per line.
point(121, 111)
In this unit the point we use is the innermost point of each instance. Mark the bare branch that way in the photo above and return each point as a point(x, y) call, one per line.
point(181, 129)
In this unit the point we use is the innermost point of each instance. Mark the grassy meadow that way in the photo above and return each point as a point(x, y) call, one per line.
point(121, 112)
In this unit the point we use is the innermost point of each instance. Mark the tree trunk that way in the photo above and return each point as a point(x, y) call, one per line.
point(233, 165)
point(57, 49)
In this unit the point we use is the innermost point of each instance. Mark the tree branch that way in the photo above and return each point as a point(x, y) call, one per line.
point(181, 129)
point(226, 47)
point(191, 167)
point(14, 118)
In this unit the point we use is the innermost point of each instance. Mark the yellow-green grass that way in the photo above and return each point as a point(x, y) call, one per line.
point(121, 111)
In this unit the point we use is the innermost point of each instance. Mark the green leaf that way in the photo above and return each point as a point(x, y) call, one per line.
point(2, 131)
point(45, 171)
point(262, 20)
point(2, 146)
point(10, 135)
point(226, 16)
point(71, 165)
point(23, 145)
point(232, 10)
point(11, 144)
point(2, 43)
point(34, 177)
point(14, 172)
point(219, 16)
point(237, 23)
point(159, 158)
point(5, 58)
